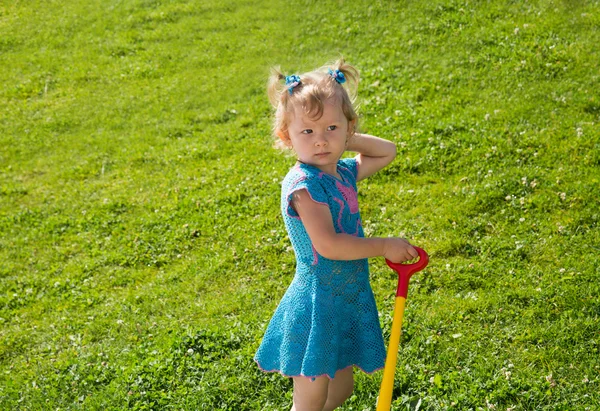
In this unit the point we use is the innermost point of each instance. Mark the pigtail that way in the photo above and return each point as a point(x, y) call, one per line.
point(347, 77)
point(275, 86)
point(278, 98)
point(350, 74)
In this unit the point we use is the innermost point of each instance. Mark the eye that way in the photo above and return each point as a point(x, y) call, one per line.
point(331, 128)
point(307, 131)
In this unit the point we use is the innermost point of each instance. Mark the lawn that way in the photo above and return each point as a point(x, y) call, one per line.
point(142, 252)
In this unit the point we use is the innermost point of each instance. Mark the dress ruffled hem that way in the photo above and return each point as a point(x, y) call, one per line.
point(317, 376)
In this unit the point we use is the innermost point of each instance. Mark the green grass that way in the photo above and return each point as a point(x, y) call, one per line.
point(141, 250)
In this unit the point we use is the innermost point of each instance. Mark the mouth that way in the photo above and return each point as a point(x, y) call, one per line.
point(322, 154)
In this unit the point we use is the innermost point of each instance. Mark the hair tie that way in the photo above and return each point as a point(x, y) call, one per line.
point(292, 81)
point(338, 76)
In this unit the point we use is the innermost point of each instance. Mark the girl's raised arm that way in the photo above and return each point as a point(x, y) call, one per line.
point(374, 153)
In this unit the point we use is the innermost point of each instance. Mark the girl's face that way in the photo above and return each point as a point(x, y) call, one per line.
point(320, 142)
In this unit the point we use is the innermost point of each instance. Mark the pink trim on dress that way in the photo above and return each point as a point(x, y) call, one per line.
point(317, 376)
point(339, 220)
point(315, 255)
point(289, 193)
point(349, 195)
point(292, 192)
point(358, 224)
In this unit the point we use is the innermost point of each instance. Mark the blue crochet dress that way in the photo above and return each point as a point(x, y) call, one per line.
point(327, 320)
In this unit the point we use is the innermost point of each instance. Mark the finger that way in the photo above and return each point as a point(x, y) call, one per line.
point(413, 252)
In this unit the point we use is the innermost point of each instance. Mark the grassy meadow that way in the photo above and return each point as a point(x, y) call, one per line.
point(141, 249)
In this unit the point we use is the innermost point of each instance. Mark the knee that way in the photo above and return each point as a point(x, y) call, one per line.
point(309, 403)
point(346, 391)
point(339, 396)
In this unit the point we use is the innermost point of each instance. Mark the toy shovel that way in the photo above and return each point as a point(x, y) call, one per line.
point(405, 271)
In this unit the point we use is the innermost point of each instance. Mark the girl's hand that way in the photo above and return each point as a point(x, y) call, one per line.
point(398, 250)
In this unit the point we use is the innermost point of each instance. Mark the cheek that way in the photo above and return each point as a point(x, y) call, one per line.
point(300, 143)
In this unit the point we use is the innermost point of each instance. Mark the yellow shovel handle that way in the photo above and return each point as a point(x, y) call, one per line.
point(387, 384)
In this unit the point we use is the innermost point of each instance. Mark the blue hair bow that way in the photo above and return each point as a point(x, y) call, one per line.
point(292, 81)
point(338, 76)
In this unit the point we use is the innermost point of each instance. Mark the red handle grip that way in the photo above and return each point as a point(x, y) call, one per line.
point(405, 271)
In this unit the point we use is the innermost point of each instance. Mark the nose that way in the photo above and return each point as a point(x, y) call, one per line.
point(320, 141)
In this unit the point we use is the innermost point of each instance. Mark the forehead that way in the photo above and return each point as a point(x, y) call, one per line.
point(332, 112)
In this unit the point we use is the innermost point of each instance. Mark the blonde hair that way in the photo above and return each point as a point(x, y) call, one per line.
point(313, 90)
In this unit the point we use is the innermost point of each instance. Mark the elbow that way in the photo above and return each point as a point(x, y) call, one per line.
point(326, 248)
point(390, 155)
point(325, 251)
point(393, 152)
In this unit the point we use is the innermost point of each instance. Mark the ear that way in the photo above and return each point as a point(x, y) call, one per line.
point(351, 128)
point(284, 136)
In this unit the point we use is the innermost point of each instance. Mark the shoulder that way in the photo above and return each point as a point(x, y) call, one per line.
point(349, 166)
point(301, 173)
point(304, 177)
point(295, 176)
point(299, 179)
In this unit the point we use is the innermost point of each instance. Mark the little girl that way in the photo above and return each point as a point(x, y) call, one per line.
point(327, 321)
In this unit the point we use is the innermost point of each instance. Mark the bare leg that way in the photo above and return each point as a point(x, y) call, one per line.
point(310, 395)
point(340, 388)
